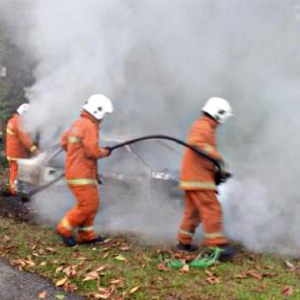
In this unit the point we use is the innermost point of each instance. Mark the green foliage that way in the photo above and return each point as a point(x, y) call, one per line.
point(18, 75)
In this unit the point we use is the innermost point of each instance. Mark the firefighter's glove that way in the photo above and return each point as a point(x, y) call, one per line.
point(224, 174)
point(99, 180)
point(107, 151)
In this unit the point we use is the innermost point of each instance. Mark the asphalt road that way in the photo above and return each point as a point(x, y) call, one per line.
point(19, 285)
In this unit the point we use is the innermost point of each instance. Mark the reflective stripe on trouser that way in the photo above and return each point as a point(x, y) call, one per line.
point(83, 214)
point(13, 173)
point(202, 203)
point(81, 181)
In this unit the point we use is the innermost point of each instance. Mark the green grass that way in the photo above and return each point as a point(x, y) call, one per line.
point(125, 269)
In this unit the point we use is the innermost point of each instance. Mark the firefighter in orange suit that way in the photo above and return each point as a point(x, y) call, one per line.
point(18, 144)
point(81, 142)
point(197, 179)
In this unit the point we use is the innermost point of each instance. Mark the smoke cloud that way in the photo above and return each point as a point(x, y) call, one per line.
point(159, 61)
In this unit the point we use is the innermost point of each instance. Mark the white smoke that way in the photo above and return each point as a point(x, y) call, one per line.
point(159, 61)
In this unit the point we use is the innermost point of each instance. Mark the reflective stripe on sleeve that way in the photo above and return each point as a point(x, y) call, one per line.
point(11, 158)
point(10, 131)
point(82, 181)
point(197, 185)
point(208, 148)
point(73, 139)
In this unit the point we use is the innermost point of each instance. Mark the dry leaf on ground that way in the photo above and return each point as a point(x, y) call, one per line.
point(119, 282)
point(287, 290)
point(254, 274)
point(42, 295)
point(61, 282)
point(213, 280)
point(91, 276)
point(162, 267)
point(185, 269)
point(134, 289)
point(120, 258)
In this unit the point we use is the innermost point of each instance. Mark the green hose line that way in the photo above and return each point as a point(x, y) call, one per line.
point(199, 262)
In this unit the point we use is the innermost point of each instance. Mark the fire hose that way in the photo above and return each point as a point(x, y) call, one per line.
point(220, 175)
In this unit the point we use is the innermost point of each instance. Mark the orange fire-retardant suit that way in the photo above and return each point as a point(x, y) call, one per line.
point(197, 179)
point(81, 144)
point(18, 145)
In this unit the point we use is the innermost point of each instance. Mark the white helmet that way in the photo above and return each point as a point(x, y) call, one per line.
point(23, 108)
point(218, 108)
point(98, 105)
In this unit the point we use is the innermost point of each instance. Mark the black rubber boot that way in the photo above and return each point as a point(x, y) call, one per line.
point(68, 241)
point(186, 247)
point(227, 253)
point(96, 240)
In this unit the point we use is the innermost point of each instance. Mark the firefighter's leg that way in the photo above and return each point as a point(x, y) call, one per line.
point(190, 221)
point(85, 198)
point(13, 173)
point(86, 232)
point(212, 218)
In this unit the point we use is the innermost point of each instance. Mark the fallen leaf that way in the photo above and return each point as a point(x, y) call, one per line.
point(60, 296)
point(254, 274)
point(29, 261)
point(213, 280)
point(43, 263)
point(105, 293)
point(134, 289)
point(52, 250)
point(287, 290)
point(120, 258)
point(185, 269)
point(6, 239)
point(240, 276)
point(59, 269)
point(159, 278)
point(70, 271)
point(19, 263)
point(42, 295)
point(91, 276)
point(120, 282)
point(289, 264)
point(209, 273)
point(61, 281)
point(100, 269)
point(70, 287)
point(269, 274)
point(147, 258)
point(162, 267)
point(125, 248)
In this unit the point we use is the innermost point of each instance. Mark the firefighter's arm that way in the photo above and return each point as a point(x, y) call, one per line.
point(27, 142)
point(90, 143)
point(199, 137)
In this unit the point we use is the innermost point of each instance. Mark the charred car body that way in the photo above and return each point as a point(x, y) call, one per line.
point(150, 165)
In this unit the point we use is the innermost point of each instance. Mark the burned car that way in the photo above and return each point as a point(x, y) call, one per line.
point(149, 167)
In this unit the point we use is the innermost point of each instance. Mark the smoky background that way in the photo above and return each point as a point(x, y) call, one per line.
point(159, 61)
